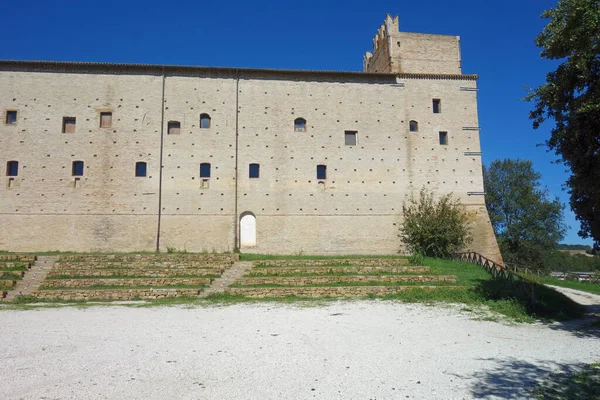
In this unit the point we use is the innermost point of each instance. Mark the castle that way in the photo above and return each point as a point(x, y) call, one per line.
point(127, 157)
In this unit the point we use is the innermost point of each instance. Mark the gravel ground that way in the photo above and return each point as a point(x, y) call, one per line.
point(343, 350)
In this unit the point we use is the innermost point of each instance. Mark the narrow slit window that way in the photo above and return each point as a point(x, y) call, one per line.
point(105, 119)
point(321, 171)
point(174, 128)
point(300, 125)
point(11, 117)
point(254, 170)
point(437, 106)
point(69, 124)
point(12, 168)
point(444, 138)
point(413, 126)
point(77, 169)
point(350, 138)
point(140, 169)
point(204, 121)
point(205, 170)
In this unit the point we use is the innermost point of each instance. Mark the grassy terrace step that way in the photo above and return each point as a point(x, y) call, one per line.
point(139, 282)
point(116, 294)
point(341, 280)
point(13, 266)
point(9, 257)
point(134, 273)
point(7, 284)
point(255, 257)
point(154, 257)
point(380, 262)
point(140, 264)
point(327, 291)
point(14, 275)
point(337, 270)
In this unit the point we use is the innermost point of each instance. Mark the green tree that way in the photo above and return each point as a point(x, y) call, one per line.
point(435, 228)
point(571, 98)
point(527, 223)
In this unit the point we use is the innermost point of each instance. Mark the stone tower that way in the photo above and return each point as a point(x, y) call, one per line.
point(404, 52)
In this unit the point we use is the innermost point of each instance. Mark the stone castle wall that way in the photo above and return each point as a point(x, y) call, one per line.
point(355, 209)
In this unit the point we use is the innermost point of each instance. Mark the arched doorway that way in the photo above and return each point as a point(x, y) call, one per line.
point(247, 230)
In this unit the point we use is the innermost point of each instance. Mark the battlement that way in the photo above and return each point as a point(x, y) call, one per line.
point(404, 52)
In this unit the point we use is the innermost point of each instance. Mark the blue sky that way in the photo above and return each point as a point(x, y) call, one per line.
point(496, 37)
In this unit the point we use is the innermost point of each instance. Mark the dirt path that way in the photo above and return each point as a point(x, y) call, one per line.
point(589, 300)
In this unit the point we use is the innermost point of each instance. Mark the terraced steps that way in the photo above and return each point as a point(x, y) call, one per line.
point(327, 291)
point(12, 270)
point(342, 279)
point(335, 270)
point(119, 294)
point(151, 257)
point(132, 276)
point(83, 264)
point(363, 262)
point(64, 273)
point(135, 282)
point(329, 277)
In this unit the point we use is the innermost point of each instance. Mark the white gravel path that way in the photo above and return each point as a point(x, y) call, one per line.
point(344, 350)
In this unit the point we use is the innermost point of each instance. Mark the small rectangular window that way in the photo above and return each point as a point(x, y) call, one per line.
point(444, 138)
point(11, 117)
point(140, 169)
point(77, 168)
point(69, 125)
point(254, 170)
point(350, 138)
point(204, 170)
point(204, 121)
point(174, 128)
point(105, 119)
point(12, 168)
point(321, 171)
point(437, 106)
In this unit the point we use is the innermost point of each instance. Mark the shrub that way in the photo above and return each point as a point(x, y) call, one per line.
point(434, 228)
point(417, 259)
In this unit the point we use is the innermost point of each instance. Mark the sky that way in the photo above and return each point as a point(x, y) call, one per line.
point(497, 39)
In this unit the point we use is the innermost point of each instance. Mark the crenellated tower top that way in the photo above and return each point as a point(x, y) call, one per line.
point(404, 52)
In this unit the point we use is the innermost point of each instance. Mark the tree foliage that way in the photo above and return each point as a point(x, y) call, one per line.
point(527, 223)
point(435, 228)
point(562, 261)
point(571, 98)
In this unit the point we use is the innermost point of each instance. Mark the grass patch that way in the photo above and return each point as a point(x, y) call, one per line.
point(344, 284)
point(593, 288)
point(582, 384)
point(71, 277)
point(258, 257)
point(13, 268)
point(116, 287)
point(334, 273)
point(10, 277)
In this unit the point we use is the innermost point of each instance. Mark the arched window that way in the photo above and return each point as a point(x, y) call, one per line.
point(321, 171)
point(414, 126)
point(205, 170)
point(173, 128)
point(77, 169)
point(12, 168)
point(254, 170)
point(300, 125)
point(140, 169)
point(204, 121)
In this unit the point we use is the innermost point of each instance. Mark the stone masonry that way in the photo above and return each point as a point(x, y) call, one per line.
point(356, 124)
